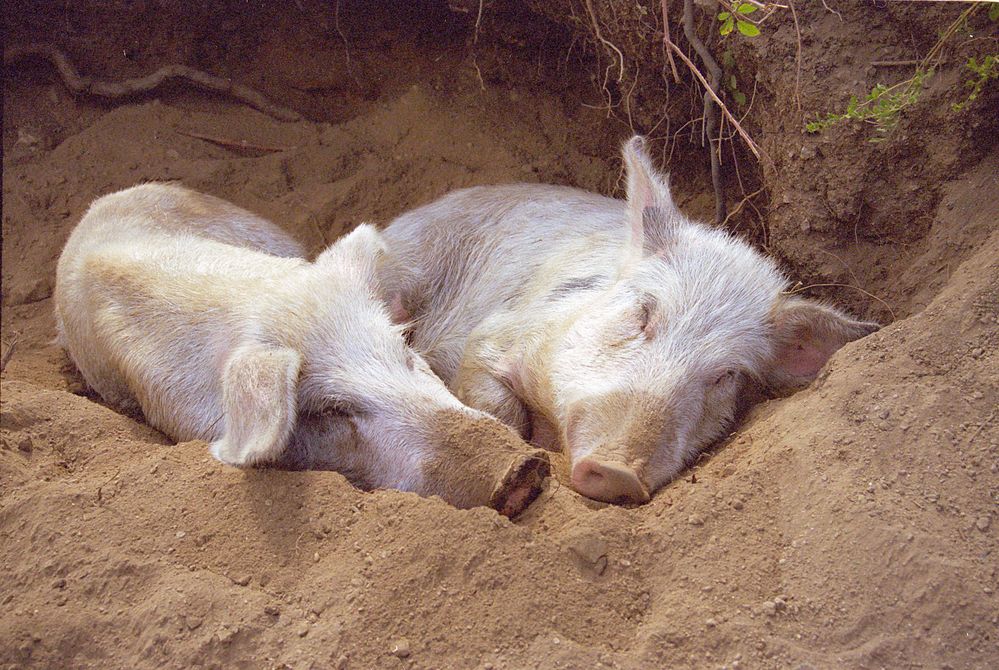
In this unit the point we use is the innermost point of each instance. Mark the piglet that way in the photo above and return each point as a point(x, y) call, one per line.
point(206, 318)
point(619, 331)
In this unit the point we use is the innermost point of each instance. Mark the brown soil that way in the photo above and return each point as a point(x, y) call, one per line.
point(850, 525)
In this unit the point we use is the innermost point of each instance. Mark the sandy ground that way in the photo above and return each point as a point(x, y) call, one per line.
point(850, 525)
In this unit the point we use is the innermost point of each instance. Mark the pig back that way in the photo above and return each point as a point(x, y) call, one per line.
point(458, 260)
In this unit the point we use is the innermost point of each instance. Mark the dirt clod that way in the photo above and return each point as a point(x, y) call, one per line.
point(401, 648)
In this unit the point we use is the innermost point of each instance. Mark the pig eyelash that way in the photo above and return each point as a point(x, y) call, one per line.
point(341, 406)
point(648, 323)
point(724, 377)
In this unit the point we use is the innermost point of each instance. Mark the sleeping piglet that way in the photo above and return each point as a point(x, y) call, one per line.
point(206, 318)
point(619, 331)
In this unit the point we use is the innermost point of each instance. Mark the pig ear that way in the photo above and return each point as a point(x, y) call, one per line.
point(806, 334)
point(651, 211)
point(357, 252)
point(259, 388)
point(397, 308)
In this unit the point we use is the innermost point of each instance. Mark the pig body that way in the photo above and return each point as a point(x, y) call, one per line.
point(206, 318)
point(620, 331)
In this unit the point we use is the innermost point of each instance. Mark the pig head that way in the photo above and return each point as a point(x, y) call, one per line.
point(637, 368)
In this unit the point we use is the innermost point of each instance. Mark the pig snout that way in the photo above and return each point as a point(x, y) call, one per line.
point(608, 482)
point(479, 461)
point(609, 440)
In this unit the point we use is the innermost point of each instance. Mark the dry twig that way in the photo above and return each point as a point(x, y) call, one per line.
point(731, 119)
point(742, 203)
point(79, 84)
point(833, 11)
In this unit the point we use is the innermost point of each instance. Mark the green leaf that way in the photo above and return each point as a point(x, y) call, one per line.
point(740, 97)
point(994, 13)
point(747, 8)
point(748, 29)
point(724, 16)
point(726, 27)
point(733, 83)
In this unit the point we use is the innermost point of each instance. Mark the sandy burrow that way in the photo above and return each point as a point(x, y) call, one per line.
point(850, 525)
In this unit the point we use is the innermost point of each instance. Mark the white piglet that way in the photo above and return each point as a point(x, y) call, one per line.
point(206, 318)
point(620, 331)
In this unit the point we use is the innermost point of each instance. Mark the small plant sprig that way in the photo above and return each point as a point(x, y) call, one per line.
point(881, 107)
point(734, 19)
point(986, 70)
point(883, 104)
point(729, 78)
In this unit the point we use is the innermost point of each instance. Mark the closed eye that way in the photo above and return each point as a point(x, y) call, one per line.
point(648, 318)
point(342, 406)
point(725, 377)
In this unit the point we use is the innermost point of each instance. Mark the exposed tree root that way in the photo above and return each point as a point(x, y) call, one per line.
point(669, 52)
point(128, 87)
point(710, 112)
point(610, 45)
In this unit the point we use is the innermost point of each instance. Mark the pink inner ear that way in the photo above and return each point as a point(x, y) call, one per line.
point(807, 334)
point(397, 310)
point(803, 358)
point(511, 372)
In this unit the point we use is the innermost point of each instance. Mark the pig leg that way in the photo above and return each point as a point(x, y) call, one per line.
point(477, 385)
point(258, 404)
